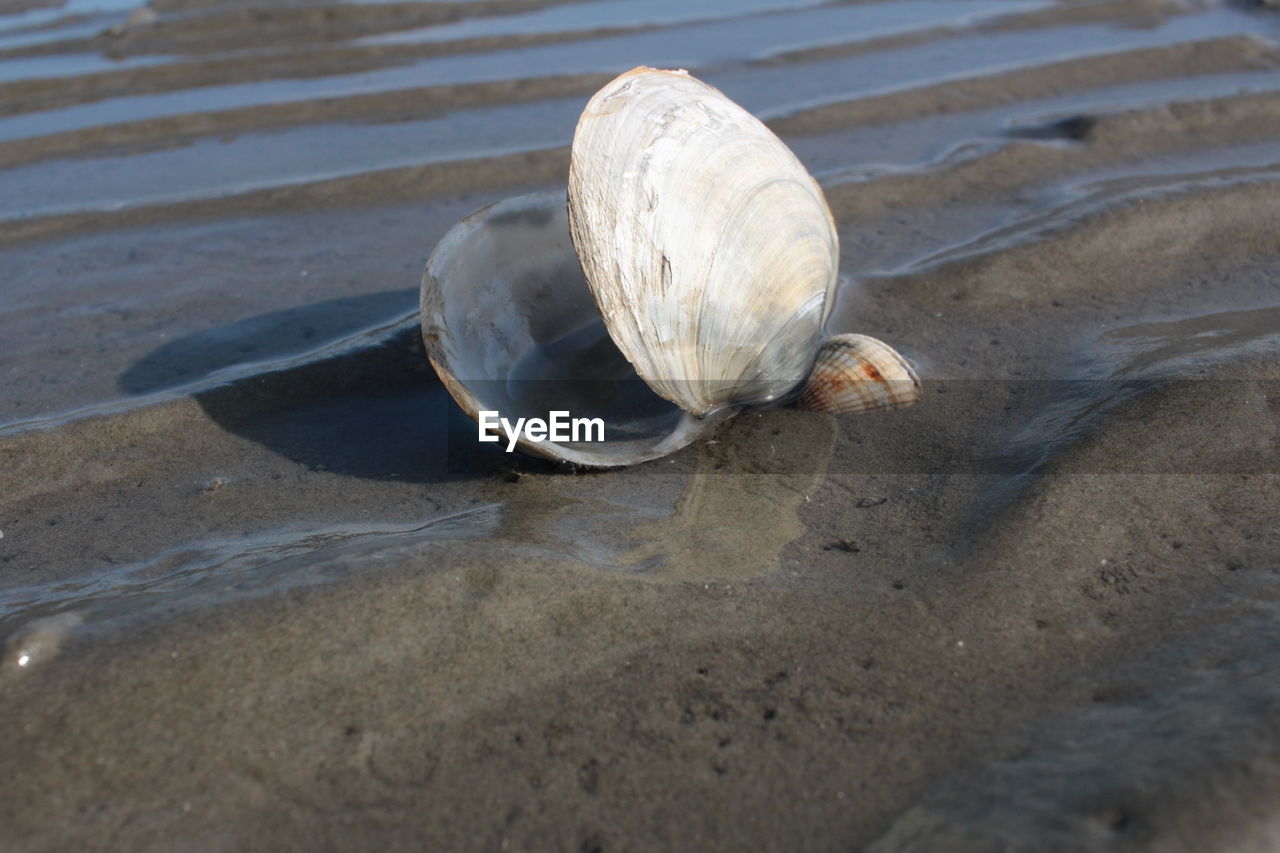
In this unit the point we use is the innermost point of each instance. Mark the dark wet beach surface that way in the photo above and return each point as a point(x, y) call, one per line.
point(258, 588)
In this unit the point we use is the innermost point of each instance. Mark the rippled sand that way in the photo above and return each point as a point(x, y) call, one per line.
point(259, 590)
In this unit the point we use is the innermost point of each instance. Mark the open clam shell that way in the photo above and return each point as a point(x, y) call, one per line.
point(511, 327)
point(688, 274)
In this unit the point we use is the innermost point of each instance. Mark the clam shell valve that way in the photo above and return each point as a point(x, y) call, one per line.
point(692, 277)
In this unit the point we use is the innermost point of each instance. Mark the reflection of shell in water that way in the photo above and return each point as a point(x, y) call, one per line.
point(857, 373)
point(38, 642)
point(707, 245)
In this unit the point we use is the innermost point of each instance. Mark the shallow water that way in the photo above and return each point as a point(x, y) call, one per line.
point(215, 411)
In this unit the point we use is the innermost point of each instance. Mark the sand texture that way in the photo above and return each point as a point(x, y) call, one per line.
point(260, 589)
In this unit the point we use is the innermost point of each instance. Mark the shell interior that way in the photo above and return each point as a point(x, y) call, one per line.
point(511, 327)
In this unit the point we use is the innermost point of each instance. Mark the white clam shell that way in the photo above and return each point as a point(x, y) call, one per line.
point(707, 245)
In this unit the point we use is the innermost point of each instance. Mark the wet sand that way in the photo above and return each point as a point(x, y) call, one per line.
point(259, 590)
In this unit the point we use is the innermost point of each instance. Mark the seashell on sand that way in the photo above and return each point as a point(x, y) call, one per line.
point(857, 373)
point(709, 248)
point(688, 274)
